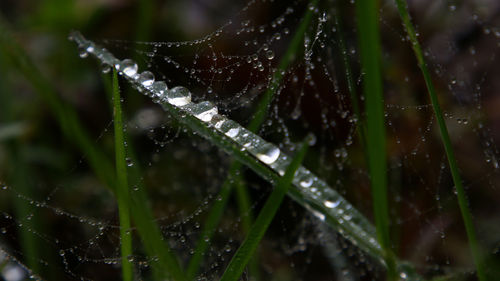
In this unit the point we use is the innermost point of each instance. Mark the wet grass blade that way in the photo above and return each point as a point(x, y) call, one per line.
point(67, 118)
point(351, 85)
point(330, 207)
point(260, 115)
point(461, 196)
point(369, 42)
point(245, 251)
point(122, 189)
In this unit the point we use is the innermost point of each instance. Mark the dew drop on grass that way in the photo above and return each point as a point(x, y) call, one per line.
point(128, 67)
point(269, 54)
point(233, 132)
point(82, 52)
point(204, 111)
point(105, 68)
point(159, 89)
point(129, 162)
point(331, 204)
point(179, 96)
point(146, 78)
point(268, 154)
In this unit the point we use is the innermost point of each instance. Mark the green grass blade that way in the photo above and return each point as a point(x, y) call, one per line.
point(122, 190)
point(216, 211)
point(369, 42)
point(461, 196)
point(151, 236)
point(263, 106)
point(330, 207)
point(245, 251)
point(72, 128)
point(351, 84)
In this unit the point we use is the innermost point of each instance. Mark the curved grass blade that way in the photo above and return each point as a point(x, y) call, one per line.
point(251, 150)
point(369, 42)
point(310, 191)
point(216, 212)
point(461, 196)
point(245, 251)
point(122, 191)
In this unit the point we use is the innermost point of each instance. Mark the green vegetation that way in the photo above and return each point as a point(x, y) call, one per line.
point(122, 190)
point(157, 235)
point(462, 200)
point(369, 42)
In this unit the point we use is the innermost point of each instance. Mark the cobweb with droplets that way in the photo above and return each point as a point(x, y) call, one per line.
point(232, 66)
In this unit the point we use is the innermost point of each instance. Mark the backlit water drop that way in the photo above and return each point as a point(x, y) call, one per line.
point(268, 154)
point(159, 89)
point(204, 111)
point(179, 96)
point(128, 67)
point(146, 79)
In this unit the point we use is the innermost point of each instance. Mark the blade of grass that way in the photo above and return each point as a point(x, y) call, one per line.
point(461, 196)
point(72, 128)
point(369, 42)
point(122, 189)
point(216, 211)
point(266, 215)
point(330, 207)
point(351, 85)
point(143, 217)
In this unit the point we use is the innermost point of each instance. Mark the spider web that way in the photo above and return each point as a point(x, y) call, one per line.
point(232, 64)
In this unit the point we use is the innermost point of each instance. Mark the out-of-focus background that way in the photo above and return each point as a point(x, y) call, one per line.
point(59, 221)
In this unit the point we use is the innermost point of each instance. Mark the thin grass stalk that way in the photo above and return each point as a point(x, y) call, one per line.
point(67, 118)
point(461, 196)
point(260, 115)
point(351, 84)
point(247, 248)
point(369, 42)
point(122, 189)
point(152, 239)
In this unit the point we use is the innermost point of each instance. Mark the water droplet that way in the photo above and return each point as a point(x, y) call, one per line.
point(146, 79)
point(331, 204)
point(128, 67)
point(179, 96)
point(204, 111)
point(268, 153)
point(129, 162)
point(105, 68)
point(159, 88)
point(270, 54)
point(307, 182)
point(83, 52)
point(233, 132)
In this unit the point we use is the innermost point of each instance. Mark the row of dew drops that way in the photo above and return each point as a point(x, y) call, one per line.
point(321, 197)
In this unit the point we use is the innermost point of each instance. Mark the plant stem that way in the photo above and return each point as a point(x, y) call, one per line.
point(266, 215)
point(351, 85)
point(461, 196)
point(369, 41)
point(122, 192)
